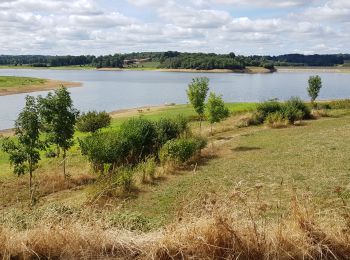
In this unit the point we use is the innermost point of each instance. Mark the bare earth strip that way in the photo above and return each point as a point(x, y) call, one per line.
point(136, 111)
point(48, 85)
point(247, 70)
point(315, 69)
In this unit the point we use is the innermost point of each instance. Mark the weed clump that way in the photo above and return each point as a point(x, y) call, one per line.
point(275, 114)
point(181, 150)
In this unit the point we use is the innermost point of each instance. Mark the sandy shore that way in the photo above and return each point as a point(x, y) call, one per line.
point(7, 132)
point(137, 111)
point(48, 85)
point(314, 69)
point(247, 70)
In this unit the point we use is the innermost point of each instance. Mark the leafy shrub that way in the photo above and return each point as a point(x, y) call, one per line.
point(168, 129)
point(93, 121)
point(182, 124)
point(181, 150)
point(277, 114)
point(148, 168)
point(265, 108)
point(141, 136)
point(296, 109)
point(276, 120)
point(105, 148)
point(126, 179)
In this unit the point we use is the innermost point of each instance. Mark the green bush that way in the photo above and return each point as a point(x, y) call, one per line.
point(93, 121)
point(181, 150)
point(168, 129)
point(108, 148)
point(126, 178)
point(148, 168)
point(277, 114)
point(265, 108)
point(276, 120)
point(182, 124)
point(295, 109)
point(141, 136)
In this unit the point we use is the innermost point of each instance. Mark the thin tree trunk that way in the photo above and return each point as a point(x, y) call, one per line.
point(64, 163)
point(58, 151)
point(31, 182)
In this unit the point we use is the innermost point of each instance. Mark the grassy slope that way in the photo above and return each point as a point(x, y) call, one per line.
point(78, 164)
point(312, 160)
point(11, 82)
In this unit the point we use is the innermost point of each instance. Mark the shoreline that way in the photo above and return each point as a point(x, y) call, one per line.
point(127, 112)
point(119, 113)
point(48, 85)
point(314, 69)
point(248, 70)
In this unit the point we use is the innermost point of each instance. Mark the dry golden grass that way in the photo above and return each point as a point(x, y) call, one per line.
point(234, 228)
point(318, 113)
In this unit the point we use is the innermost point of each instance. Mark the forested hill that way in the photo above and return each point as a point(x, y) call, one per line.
point(176, 60)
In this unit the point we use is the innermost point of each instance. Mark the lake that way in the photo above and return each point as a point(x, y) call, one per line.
point(113, 90)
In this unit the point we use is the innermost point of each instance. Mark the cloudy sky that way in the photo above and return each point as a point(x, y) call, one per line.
point(110, 26)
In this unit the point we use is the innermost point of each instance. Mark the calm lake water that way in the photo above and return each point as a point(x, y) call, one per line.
point(112, 90)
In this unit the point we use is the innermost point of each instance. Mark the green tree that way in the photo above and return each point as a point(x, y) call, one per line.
point(25, 151)
point(315, 85)
point(216, 109)
point(92, 121)
point(59, 117)
point(197, 92)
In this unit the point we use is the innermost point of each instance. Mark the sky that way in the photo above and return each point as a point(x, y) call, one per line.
point(100, 27)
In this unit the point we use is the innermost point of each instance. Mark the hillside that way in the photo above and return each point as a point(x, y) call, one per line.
point(254, 192)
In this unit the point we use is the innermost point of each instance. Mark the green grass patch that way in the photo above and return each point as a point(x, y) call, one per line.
point(11, 82)
point(150, 65)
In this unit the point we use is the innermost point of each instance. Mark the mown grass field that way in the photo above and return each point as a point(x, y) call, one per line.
point(149, 65)
point(11, 82)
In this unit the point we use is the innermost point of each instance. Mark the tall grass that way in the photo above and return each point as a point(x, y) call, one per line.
point(234, 228)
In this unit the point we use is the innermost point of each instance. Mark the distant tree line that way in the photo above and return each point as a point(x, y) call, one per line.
point(309, 60)
point(177, 60)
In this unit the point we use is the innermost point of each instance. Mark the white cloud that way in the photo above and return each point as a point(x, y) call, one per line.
point(90, 27)
point(264, 3)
